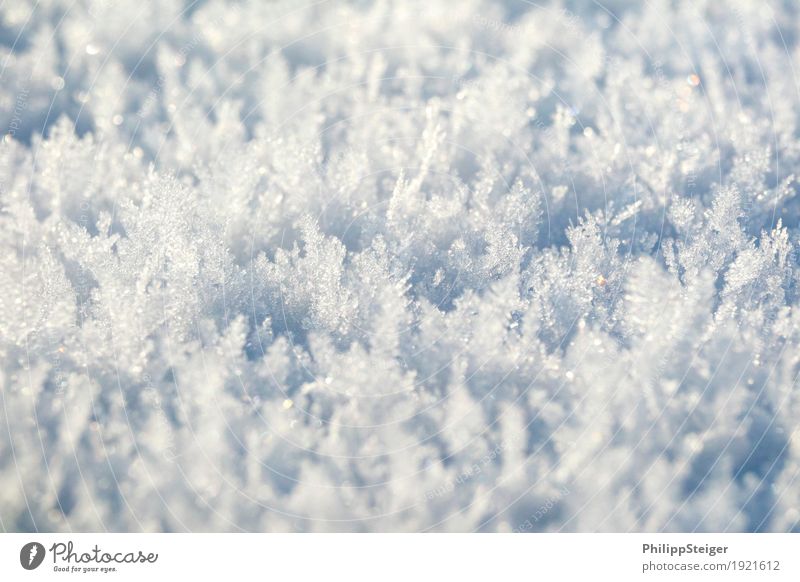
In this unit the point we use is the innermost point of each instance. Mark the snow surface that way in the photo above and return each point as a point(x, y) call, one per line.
point(399, 265)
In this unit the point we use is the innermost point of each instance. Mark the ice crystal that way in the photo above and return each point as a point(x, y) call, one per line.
point(399, 265)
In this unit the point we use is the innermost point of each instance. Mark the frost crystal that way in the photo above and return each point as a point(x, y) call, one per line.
point(399, 266)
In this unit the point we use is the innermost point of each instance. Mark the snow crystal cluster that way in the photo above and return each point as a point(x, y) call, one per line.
point(399, 265)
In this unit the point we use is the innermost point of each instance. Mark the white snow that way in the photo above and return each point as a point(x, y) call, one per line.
point(399, 266)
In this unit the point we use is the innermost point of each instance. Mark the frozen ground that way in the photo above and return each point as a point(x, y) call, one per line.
point(399, 265)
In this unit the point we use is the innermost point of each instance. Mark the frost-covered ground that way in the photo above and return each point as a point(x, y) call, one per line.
point(399, 265)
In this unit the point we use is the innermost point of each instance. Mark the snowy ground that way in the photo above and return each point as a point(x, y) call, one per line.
point(399, 265)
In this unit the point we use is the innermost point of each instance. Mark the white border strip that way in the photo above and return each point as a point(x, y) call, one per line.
point(404, 557)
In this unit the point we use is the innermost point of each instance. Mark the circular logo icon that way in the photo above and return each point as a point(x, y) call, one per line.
point(31, 555)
